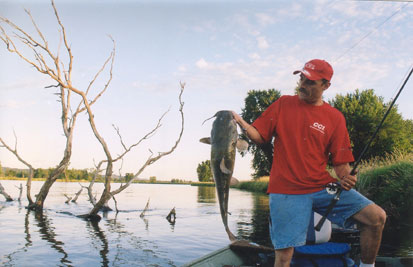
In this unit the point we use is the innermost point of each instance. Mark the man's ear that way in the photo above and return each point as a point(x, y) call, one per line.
point(326, 85)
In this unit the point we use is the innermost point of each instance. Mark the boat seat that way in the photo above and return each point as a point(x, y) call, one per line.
point(318, 251)
point(324, 235)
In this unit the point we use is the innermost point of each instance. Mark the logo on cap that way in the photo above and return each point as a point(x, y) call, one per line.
point(316, 69)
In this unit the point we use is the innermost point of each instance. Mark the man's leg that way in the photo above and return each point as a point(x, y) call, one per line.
point(289, 219)
point(372, 219)
point(283, 257)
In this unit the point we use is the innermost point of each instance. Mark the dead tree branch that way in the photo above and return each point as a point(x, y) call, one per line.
point(109, 161)
point(67, 198)
point(151, 159)
point(20, 191)
point(3, 192)
point(171, 216)
point(31, 169)
point(145, 209)
point(77, 195)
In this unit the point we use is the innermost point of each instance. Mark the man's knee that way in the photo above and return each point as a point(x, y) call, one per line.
point(372, 216)
point(379, 216)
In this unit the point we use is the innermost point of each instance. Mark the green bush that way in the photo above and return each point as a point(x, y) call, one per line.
point(253, 186)
point(390, 187)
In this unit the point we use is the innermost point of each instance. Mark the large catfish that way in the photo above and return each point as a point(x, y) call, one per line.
point(223, 141)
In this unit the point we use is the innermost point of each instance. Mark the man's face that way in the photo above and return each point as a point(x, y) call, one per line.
point(311, 91)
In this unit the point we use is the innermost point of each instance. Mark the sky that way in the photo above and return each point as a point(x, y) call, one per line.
point(219, 49)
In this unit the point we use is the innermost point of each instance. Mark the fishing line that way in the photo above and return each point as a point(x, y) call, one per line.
point(369, 33)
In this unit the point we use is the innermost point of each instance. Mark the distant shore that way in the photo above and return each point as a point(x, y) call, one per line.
point(113, 181)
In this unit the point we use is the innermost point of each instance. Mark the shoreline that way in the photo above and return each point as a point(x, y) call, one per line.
point(87, 181)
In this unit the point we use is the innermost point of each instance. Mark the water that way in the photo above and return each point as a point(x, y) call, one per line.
point(124, 239)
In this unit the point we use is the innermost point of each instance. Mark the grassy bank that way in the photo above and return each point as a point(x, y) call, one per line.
point(203, 184)
point(389, 183)
point(258, 186)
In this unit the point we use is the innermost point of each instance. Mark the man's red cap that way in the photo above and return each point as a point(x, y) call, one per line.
point(316, 69)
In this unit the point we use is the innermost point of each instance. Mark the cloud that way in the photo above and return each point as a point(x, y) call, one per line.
point(254, 56)
point(182, 69)
point(262, 42)
point(265, 19)
point(202, 64)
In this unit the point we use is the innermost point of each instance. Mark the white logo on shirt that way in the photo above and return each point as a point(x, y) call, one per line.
point(318, 126)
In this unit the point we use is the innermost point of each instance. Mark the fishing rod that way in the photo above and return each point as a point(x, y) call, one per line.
point(353, 171)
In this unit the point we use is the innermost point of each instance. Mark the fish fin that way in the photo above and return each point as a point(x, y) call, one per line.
point(223, 168)
point(205, 140)
point(242, 145)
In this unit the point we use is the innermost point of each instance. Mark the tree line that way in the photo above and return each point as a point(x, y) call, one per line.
point(69, 174)
point(363, 111)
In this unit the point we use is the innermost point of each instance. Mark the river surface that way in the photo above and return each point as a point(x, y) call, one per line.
point(58, 238)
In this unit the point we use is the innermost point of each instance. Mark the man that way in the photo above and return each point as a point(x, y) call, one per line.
point(307, 132)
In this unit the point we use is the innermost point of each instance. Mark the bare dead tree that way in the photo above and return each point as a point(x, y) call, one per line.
point(20, 191)
point(50, 63)
point(31, 170)
point(3, 192)
point(109, 161)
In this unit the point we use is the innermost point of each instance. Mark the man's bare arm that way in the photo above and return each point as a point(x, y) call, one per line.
point(249, 130)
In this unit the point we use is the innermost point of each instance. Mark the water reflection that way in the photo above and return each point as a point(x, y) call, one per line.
point(96, 232)
point(253, 225)
point(206, 194)
point(27, 237)
point(47, 233)
point(146, 222)
point(397, 239)
point(122, 239)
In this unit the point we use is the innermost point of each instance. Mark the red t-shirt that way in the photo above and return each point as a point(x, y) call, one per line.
point(305, 135)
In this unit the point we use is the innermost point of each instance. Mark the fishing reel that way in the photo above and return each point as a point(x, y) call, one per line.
point(332, 188)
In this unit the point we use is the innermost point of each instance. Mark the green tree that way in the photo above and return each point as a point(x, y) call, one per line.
point(128, 176)
point(40, 173)
point(1, 170)
point(363, 112)
point(255, 103)
point(152, 179)
point(10, 173)
point(204, 171)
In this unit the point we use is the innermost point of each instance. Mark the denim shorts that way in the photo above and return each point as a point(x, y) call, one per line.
point(291, 214)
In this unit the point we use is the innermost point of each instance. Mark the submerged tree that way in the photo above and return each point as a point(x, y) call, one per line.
point(35, 51)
